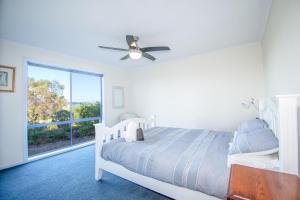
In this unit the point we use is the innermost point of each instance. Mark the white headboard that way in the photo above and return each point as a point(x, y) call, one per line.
point(268, 111)
point(280, 113)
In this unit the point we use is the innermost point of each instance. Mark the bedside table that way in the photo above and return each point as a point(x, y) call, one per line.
point(248, 183)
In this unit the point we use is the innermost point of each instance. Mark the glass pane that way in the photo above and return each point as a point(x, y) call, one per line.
point(48, 95)
point(86, 96)
point(45, 139)
point(83, 131)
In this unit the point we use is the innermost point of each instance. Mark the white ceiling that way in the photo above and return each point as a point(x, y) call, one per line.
point(188, 27)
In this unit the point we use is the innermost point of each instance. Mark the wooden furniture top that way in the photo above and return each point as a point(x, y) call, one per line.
point(258, 184)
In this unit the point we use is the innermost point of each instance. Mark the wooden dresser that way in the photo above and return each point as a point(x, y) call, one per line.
point(247, 183)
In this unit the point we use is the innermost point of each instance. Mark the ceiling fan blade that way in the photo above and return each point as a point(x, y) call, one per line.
point(113, 48)
point(146, 55)
point(125, 57)
point(147, 49)
point(129, 39)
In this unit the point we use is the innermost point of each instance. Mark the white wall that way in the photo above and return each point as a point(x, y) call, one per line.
point(202, 91)
point(12, 105)
point(281, 48)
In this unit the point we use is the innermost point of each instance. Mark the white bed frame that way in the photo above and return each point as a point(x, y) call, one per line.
point(279, 112)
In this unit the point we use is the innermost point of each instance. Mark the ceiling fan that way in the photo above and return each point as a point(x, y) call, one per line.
point(134, 51)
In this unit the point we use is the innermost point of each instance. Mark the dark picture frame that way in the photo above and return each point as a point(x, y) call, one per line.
point(7, 78)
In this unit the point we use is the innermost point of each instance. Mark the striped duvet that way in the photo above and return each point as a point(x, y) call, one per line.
point(195, 159)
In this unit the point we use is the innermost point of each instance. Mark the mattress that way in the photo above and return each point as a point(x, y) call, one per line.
point(195, 159)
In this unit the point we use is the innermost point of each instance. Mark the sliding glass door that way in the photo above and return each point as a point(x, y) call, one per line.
point(62, 107)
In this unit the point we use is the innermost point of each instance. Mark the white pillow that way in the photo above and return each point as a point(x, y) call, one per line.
point(260, 153)
point(266, 162)
point(130, 135)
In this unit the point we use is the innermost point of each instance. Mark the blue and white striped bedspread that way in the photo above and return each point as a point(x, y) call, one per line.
point(196, 159)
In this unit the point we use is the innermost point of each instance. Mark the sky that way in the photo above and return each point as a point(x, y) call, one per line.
point(85, 88)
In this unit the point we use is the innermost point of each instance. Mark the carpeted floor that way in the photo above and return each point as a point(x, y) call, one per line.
point(67, 176)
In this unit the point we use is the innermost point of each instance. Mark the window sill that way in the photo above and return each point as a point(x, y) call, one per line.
point(53, 153)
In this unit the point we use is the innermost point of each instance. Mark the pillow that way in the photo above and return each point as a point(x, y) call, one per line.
point(260, 153)
point(252, 125)
point(139, 134)
point(261, 141)
point(130, 135)
point(270, 161)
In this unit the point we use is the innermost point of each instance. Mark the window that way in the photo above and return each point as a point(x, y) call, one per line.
point(62, 107)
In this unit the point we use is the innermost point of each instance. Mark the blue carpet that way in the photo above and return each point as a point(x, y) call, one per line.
point(67, 176)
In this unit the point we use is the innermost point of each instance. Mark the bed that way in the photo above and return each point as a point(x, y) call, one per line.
point(185, 163)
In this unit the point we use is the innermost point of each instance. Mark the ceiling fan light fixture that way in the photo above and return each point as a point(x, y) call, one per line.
point(135, 54)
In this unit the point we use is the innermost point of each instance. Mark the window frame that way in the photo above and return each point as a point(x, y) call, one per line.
point(71, 121)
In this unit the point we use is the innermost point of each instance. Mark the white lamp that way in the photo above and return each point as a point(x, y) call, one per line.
point(250, 103)
point(135, 53)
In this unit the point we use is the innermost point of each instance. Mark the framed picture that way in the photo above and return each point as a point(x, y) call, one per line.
point(7, 79)
point(117, 97)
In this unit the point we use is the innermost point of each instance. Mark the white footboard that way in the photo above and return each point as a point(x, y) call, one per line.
point(106, 134)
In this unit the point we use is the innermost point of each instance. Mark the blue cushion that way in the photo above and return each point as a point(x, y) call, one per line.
point(252, 125)
point(255, 141)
